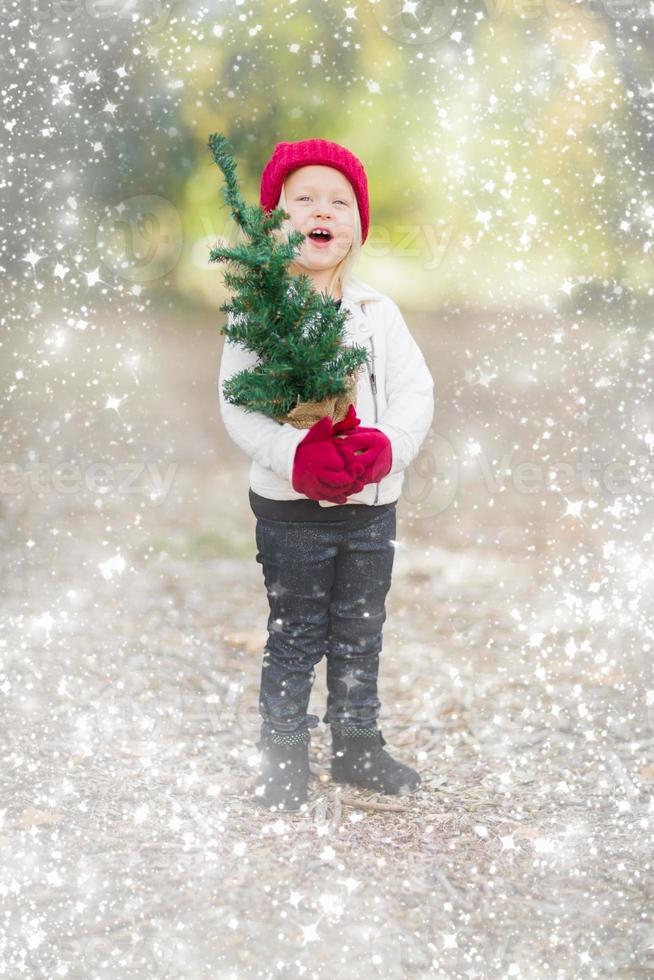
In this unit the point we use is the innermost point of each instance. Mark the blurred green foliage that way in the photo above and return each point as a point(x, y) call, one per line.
point(495, 153)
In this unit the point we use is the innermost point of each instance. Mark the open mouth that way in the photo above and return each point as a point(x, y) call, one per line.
point(320, 237)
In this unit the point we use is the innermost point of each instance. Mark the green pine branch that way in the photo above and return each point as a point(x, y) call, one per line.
point(297, 332)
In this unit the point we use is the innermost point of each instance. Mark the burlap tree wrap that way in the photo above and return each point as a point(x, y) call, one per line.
point(306, 414)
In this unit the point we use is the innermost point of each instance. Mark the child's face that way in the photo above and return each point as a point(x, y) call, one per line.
point(321, 197)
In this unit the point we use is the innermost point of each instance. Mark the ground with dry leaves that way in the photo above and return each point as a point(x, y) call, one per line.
point(516, 676)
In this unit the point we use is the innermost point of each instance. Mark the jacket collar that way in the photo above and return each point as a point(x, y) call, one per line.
point(355, 293)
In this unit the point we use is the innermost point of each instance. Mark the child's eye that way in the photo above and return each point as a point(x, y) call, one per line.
point(305, 197)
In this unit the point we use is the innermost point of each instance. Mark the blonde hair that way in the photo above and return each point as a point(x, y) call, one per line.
point(344, 271)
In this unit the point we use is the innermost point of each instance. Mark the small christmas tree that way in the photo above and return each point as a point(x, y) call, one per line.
point(305, 369)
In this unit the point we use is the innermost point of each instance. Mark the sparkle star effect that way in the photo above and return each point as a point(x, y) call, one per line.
point(32, 257)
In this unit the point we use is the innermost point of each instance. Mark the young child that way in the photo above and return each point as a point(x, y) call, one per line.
point(325, 498)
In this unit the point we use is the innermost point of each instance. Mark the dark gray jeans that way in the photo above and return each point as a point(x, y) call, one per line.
point(327, 583)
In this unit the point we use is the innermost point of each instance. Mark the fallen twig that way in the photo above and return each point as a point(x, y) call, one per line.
point(371, 805)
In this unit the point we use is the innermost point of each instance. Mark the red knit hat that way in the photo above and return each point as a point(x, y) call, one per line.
point(289, 156)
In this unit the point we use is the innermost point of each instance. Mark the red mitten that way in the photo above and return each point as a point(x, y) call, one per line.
point(372, 448)
point(349, 423)
point(322, 470)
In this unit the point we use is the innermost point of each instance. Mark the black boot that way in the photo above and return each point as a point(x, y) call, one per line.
point(358, 758)
point(284, 773)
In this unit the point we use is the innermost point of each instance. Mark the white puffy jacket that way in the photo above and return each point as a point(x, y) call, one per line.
point(395, 395)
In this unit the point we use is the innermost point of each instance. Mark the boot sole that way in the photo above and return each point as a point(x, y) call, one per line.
point(412, 787)
point(279, 806)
